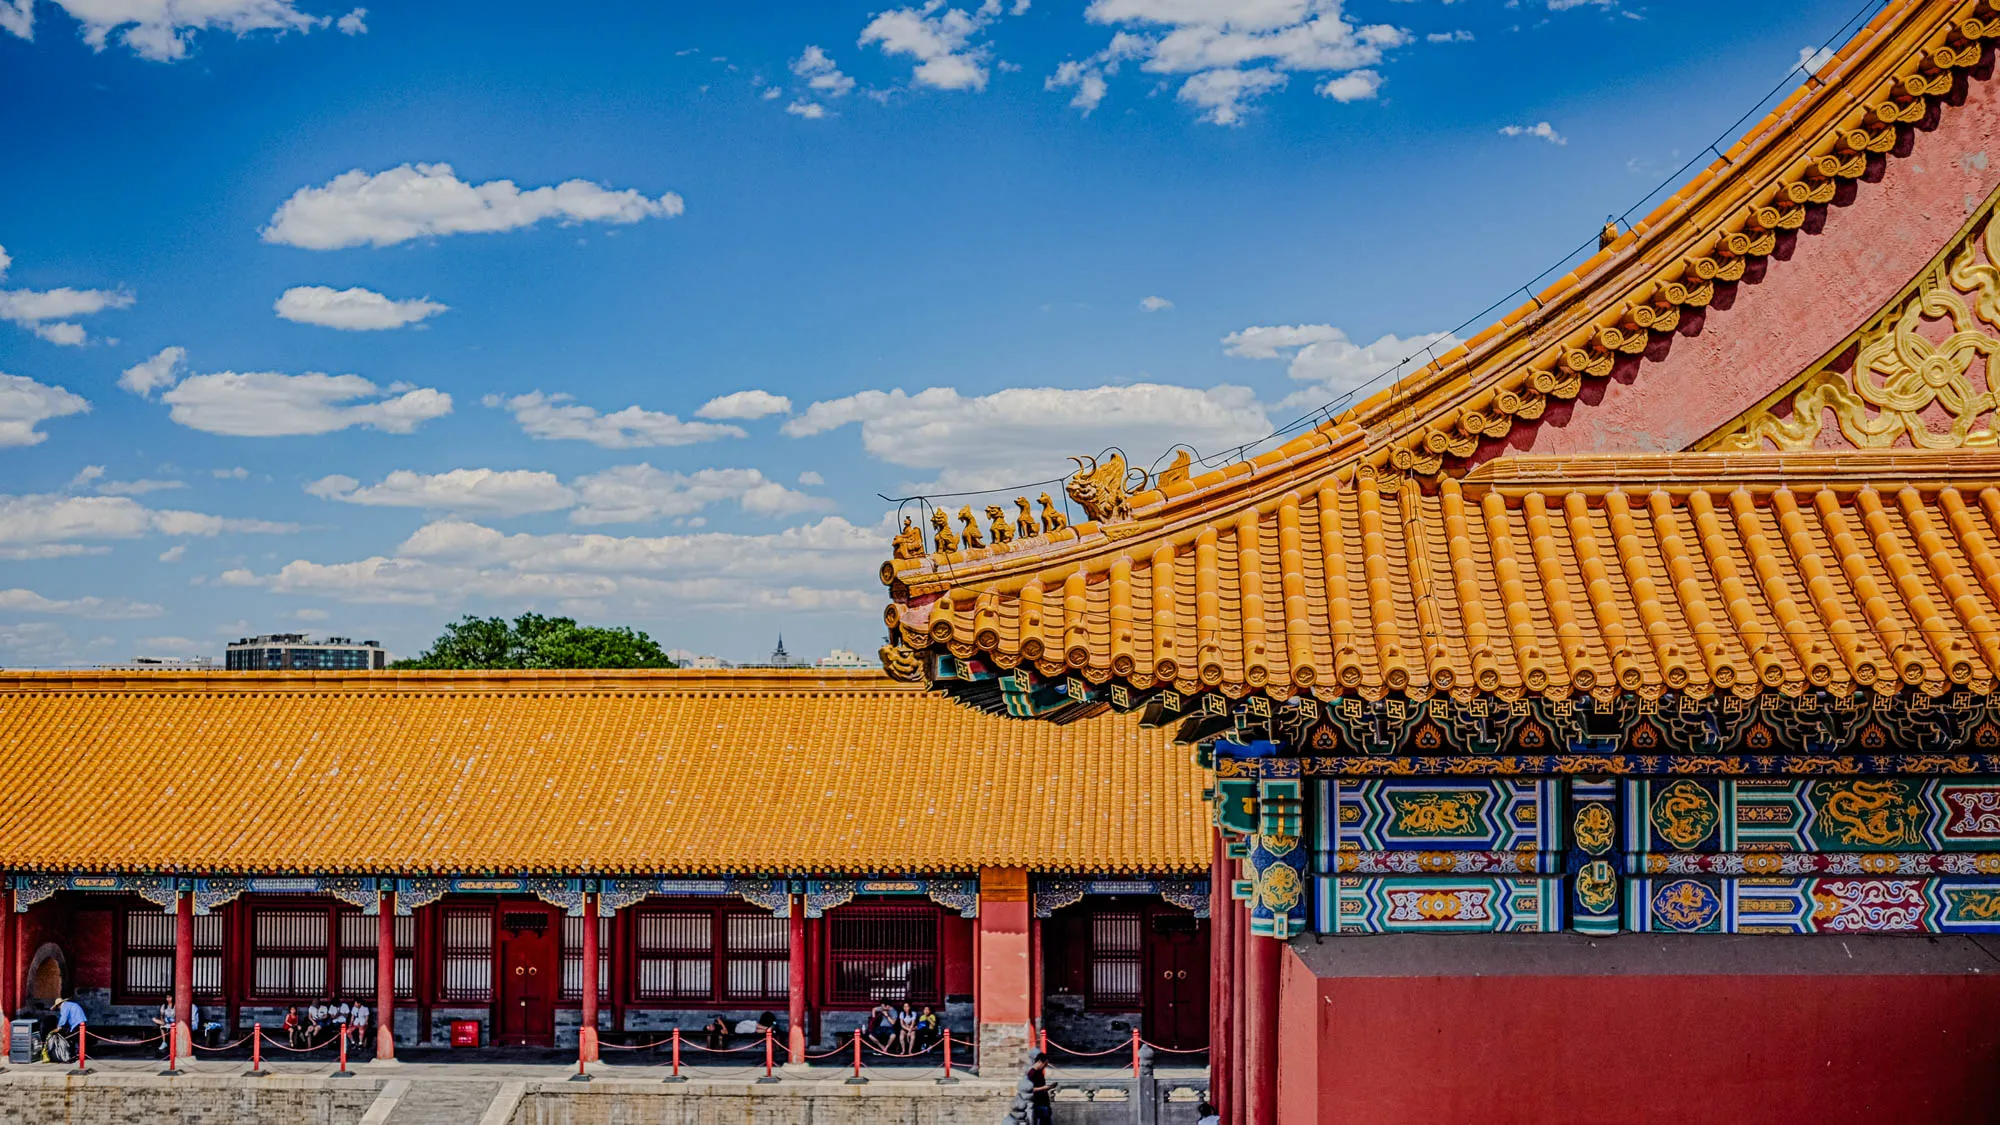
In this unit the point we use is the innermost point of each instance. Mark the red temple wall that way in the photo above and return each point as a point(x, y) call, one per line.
point(1821, 1047)
point(1304, 1023)
point(955, 950)
point(88, 947)
point(1809, 299)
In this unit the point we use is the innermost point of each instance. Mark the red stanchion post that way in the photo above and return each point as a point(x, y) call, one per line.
point(257, 1051)
point(768, 1049)
point(857, 1079)
point(173, 1050)
point(82, 1049)
point(947, 1080)
point(1045, 1042)
point(343, 1072)
point(581, 1075)
point(676, 1075)
point(1135, 1052)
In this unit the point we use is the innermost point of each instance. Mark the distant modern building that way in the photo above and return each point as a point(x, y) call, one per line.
point(164, 664)
point(779, 657)
point(283, 652)
point(842, 658)
point(688, 658)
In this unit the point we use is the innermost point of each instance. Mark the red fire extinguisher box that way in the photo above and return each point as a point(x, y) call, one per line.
point(465, 1033)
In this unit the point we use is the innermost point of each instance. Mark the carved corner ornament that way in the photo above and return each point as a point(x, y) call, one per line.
point(901, 664)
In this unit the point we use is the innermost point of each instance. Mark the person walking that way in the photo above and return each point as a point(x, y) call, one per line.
point(1041, 1101)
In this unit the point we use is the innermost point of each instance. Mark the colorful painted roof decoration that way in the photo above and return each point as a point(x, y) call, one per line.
point(1423, 543)
point(600, 773)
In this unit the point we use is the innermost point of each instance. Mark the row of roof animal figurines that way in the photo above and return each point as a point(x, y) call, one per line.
point(1102, 490)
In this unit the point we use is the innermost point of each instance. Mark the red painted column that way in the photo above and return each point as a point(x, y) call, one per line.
point(587, 1034)
point(1261, 1031)
point(9, 926)
point(1238, 1074)
point(795, 983)
point(1222, 982)
point(1004, 1033)
point(1035, 966)
point(183, 971)
point(385, 976)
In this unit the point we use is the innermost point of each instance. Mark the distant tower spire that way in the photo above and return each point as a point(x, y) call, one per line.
point(779, 656)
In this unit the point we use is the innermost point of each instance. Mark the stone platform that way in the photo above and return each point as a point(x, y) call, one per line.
point(133, 1092)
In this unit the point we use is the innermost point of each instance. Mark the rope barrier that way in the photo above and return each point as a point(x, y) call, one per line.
point(1048, 1046)
point(123, 1042)
point(635, 1046)
point(225, 1046)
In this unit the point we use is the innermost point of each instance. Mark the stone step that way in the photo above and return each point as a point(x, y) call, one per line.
point(433, 1101)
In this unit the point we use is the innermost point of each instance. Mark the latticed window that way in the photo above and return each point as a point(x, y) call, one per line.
point(757, 947)
point(1116, 952)
point(884, 953)
point(572, 958)
point(147, 961)
point(466, 954)
point(710, 955)
point(289, 947)
point(673, 955)
point(360, 937)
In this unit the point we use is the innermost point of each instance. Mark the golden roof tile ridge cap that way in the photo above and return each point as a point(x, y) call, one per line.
point(1160, 520)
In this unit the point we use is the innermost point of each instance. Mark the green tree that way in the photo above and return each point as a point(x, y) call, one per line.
point(534, 641)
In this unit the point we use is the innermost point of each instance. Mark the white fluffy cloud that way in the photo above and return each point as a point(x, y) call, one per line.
point(26, 404)
point(161, 370)
point(1233, 51)
point(51, 313)
point(1155, 304)
point(1027, 433)
point(160, 29)
point(640, 493)
point(1811, 59)
point(354, 22)
point(1323, 355)
point(827, 565)
point(939, 38)
point(556, 418)
point(509, 492)
point(355, 310)
point(429, 200)
point(27, 601)
point(271, 404)
point(820, 74)
point(811, 111)
point(1541, 129)
point(621, 494)
point(48, 525)
point(745, 405)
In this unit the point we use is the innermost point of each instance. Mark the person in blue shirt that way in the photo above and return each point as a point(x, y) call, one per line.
point(69, 1017)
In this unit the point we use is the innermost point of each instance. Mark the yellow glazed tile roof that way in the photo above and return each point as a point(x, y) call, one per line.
point(1697, 571)
point(641, 772)
point(1898, 69)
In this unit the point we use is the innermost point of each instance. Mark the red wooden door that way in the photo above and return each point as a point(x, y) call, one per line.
point(530, 947)
point(1177, 993)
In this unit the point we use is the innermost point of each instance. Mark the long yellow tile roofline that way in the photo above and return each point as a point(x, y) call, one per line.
point(646, 680)
point(643, 772)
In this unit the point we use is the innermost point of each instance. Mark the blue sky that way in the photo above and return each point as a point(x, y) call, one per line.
point(338, 320)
